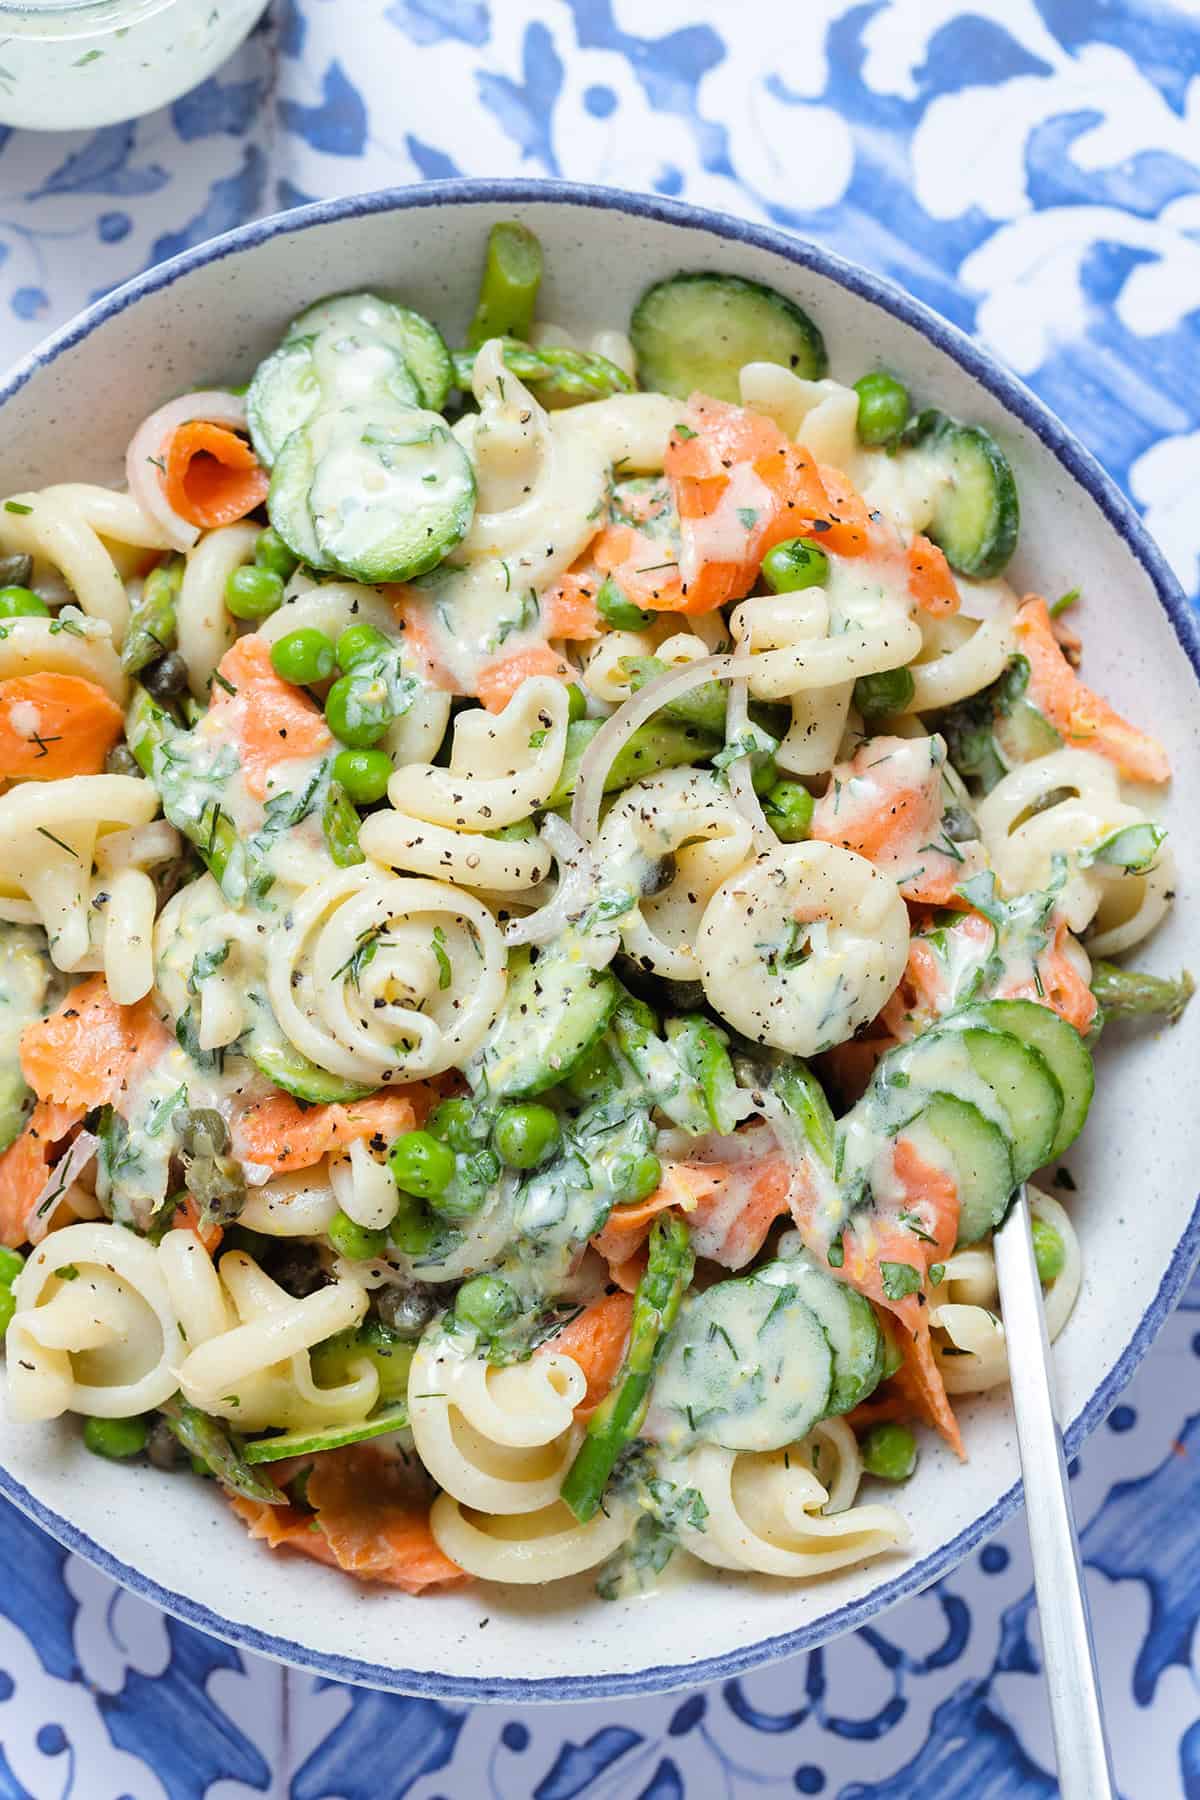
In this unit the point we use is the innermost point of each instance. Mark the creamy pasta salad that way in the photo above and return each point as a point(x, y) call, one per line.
point(553, 893)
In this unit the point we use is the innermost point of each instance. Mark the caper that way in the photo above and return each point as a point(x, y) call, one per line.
point(167, 678)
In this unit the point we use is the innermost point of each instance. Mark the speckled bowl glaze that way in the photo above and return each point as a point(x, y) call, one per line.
point(205, 319)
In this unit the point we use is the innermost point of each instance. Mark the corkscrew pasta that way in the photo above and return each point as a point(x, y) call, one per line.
point(551, 894)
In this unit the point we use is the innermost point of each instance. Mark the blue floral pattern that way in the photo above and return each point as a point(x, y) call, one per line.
point(1029, 168)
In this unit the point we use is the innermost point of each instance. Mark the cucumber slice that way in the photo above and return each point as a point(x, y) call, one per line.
point(283, 396)
point(748, 1366)
point(284, 1065)
point(376, 495)
point(364, 316)
point(1025, 1087)
point(361, 372)
point(1009, 1082)
point(849, 1322)
point(554, 1011)
point(977, 513)
point(1061, 1046)
point(695, 331)
point(1024, 733)
point(982, 1161)
point(325, 1437)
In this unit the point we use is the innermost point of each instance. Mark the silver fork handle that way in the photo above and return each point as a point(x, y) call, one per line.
point(1068, 1653)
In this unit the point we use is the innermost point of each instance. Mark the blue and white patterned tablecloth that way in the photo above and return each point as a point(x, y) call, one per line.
point(1032, 169)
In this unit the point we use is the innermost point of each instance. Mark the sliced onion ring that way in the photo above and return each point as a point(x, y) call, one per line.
point(739, 773)
point(58, 1183)
point(215, 407)
point(616, 731)
point(578, 885)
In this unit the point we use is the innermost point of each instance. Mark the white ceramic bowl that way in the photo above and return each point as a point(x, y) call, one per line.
point(205, 319)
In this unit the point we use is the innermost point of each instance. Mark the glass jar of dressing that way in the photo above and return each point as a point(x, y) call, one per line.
point(67, 64)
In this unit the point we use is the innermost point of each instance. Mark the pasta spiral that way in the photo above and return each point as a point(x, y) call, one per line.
point(256, 1371)
point(48, 838)
point(102, 1341)
point(961, 654)
point(470, 859)
point(546, 1545)
point(205, 628)
point(501, 769)
point(420, 1003)
point(803, 946)
point(1066, 804)
point(498, 1440)
point(769, 1513)
point(70, 644)
point(71, 526)
point(683, 821)
point(787, 635)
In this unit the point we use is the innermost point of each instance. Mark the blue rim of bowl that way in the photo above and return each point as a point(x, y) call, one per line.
point(1083, 468)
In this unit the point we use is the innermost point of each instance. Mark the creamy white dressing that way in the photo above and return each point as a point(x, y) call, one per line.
point(747, 1367)
point(383, 484)
point(867, 593)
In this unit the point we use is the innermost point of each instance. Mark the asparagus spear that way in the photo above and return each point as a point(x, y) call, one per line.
point(664, 1078)
point(618, 1418)
point(152, 622)
point(703, 1051)
point(660, 743)
point(560, 373)
point(512, 274)
point(803, 1098)
point(206, 1439)
point(1130, 994)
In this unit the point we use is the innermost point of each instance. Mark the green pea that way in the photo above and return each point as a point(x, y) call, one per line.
point(474, 1176)
point(455, 1122)
point(8, 1306)
point(576, 703)
point(270, 552)
point(526, 1135)
point(882, 408)
point(764, 774)
point(788, 809)
point(11, 1264)
point(363, 773)
point(421, 1164)
point(642, 1180)
point(1049, 1251)
point(412, 1231)
point(303, 656)
point(880, 696)
point(358, 711)
point(353, 1241)
point(253, 593)
point(889, 1451)
point(358, 643)
point(115, 1438)
point(22, 603)
point(617, 611)
point(796, 563)
point(485, 1302)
